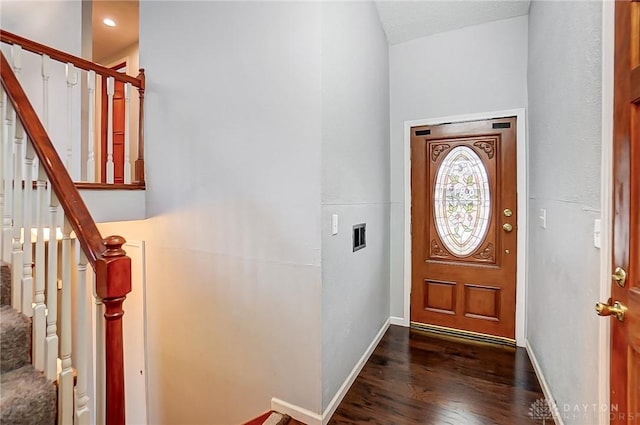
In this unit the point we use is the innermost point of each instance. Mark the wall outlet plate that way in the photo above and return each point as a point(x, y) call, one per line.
point(596, 233)
point(543, 218)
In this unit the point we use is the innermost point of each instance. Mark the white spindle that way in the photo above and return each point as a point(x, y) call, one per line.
point(51, 346)
point(65, 380)
point(110, 91)
point(81, 361)
point(39, 326)
point(46, 72)
point(16, 56)
point(27, 225)
point(7, 159)
point(16, 254)
point(91, 161)
point(127, 135)
point(3, 138)
point(72, 80)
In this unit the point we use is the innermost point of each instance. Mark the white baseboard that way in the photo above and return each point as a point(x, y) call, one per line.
point(400, 321)
point(335, 402)
point(296, 412)
point(311, 418)
point(546, 390)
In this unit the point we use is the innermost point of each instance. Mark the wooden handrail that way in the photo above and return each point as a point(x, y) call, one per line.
point(32, 46)
point(77, 212)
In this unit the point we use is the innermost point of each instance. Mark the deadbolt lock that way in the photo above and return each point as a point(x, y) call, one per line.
point(507, 227)
point(507, 212)
point(620, 276)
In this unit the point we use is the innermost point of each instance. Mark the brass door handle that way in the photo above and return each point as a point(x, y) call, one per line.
point(507, 227)
point(617, 309)
point(620, 276)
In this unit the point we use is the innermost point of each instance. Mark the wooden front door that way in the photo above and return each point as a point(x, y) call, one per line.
point(117, 128)
point(463, 226)
point(625, 341)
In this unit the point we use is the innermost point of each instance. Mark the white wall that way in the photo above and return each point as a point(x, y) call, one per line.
point(470, 70)
point(355, 185)
point(565, 142)
point(233, 246)
point(57, 24)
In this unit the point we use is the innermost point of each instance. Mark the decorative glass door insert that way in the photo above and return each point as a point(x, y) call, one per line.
point(462, 201)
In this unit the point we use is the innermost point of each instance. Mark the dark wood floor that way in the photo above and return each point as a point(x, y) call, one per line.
point(417, 378)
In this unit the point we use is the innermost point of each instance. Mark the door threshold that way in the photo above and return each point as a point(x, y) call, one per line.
point(467, 335)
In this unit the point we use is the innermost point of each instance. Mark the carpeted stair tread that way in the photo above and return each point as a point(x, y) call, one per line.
point(15, 339)
point(27, 398)
point(5, 284)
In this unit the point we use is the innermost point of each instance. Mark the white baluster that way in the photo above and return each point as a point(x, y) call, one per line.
point(51, 346)
point(46, 72)
point(110, 91)
point(3, 139)
point(91, 161)
point(16, 56)
point(65, 380)
point(46, 67)
point(82, 413)
point(39, 325)
point(27, 225)
point(72, 80)
point(7, 220)
point(16, 254)
point(127, 135)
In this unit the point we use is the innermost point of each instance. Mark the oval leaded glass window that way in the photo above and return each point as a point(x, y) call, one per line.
point(462, 201)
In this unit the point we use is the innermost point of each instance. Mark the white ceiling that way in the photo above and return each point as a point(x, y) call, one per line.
point(402, 20)
point(407, 20)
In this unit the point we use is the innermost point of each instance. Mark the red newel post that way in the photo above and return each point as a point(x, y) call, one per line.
point(113, 283)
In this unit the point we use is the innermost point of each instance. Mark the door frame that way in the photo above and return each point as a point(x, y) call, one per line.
point(606, 203)
point(523, 195)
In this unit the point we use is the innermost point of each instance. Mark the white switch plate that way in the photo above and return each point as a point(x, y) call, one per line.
point(543, 218)
point(334, 224)
point(596, 233)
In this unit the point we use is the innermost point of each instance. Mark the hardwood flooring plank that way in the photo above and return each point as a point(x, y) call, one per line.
point(417, 378)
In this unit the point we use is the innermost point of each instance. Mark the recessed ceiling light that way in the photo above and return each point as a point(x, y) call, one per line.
point(109, 22)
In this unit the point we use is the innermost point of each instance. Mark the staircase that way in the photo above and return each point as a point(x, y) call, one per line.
point(27, 397)
point(63, 283)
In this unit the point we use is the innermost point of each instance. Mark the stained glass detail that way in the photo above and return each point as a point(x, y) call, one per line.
point(462, 201)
